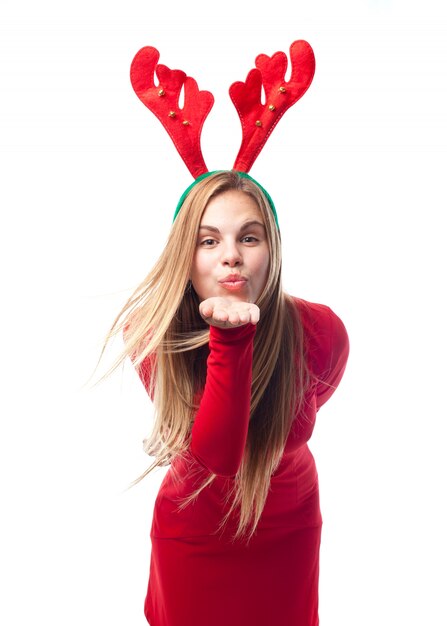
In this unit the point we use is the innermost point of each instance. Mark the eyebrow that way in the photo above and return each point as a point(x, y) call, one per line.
point(244, 227)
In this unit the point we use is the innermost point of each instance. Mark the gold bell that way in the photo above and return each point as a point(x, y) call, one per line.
point(171, 114)
point(185, 123)
point(258, 123)
point(272, 107)
point(161, 92)
point(282, 90)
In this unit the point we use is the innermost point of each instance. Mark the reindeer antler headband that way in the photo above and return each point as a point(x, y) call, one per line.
point(184, 125)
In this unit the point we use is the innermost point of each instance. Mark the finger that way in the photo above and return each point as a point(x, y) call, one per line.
point(206, 310)
point(239, 317)
point(220, 315)
point(234, 318)
point(254, 315)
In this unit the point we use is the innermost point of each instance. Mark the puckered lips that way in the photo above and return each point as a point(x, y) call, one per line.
point(233, 282)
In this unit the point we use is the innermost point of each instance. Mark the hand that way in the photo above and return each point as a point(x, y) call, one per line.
point(226, 313)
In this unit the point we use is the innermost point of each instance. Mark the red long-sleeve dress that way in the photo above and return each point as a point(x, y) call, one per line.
point(201, 578)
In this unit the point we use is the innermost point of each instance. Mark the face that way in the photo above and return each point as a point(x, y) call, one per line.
point(232, 255)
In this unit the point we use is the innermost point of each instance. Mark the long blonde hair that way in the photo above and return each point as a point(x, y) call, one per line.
point(161, 324)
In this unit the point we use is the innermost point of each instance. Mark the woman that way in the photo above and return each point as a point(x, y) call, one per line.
point(237, 370)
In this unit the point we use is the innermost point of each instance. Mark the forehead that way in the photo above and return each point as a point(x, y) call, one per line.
point(231, 206)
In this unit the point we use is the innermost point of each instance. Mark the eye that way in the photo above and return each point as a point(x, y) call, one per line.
point(249, 239)
point(207, 242)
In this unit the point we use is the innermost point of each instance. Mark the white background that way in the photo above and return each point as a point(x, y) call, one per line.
point(89, 181)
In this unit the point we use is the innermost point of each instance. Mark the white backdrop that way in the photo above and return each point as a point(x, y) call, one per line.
point(90, 179)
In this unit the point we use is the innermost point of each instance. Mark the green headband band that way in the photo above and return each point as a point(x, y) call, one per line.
point(242, 175)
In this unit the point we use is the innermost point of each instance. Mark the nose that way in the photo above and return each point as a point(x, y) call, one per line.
point(231, 255)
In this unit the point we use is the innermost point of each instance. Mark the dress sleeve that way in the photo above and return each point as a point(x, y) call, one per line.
point(144, 369)
point(330, 355)
point(220, 428)
point(327, 347)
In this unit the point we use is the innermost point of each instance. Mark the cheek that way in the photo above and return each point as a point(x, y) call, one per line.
point(263, 268)
point(200, 273)
point(199, 266)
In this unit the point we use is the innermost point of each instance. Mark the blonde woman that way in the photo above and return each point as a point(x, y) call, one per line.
point(237, 370)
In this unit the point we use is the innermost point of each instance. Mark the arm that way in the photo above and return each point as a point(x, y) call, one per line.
point(144, 369)
point(220, 429)
point(331, 356)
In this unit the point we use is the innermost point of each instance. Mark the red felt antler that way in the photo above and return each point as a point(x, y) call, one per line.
point(257, 119)
point(183, 125)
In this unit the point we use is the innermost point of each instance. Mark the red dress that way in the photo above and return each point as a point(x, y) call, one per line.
point(200, 578)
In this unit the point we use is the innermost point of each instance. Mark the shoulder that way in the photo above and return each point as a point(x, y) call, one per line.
point(315, 316)
point(325, 336)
